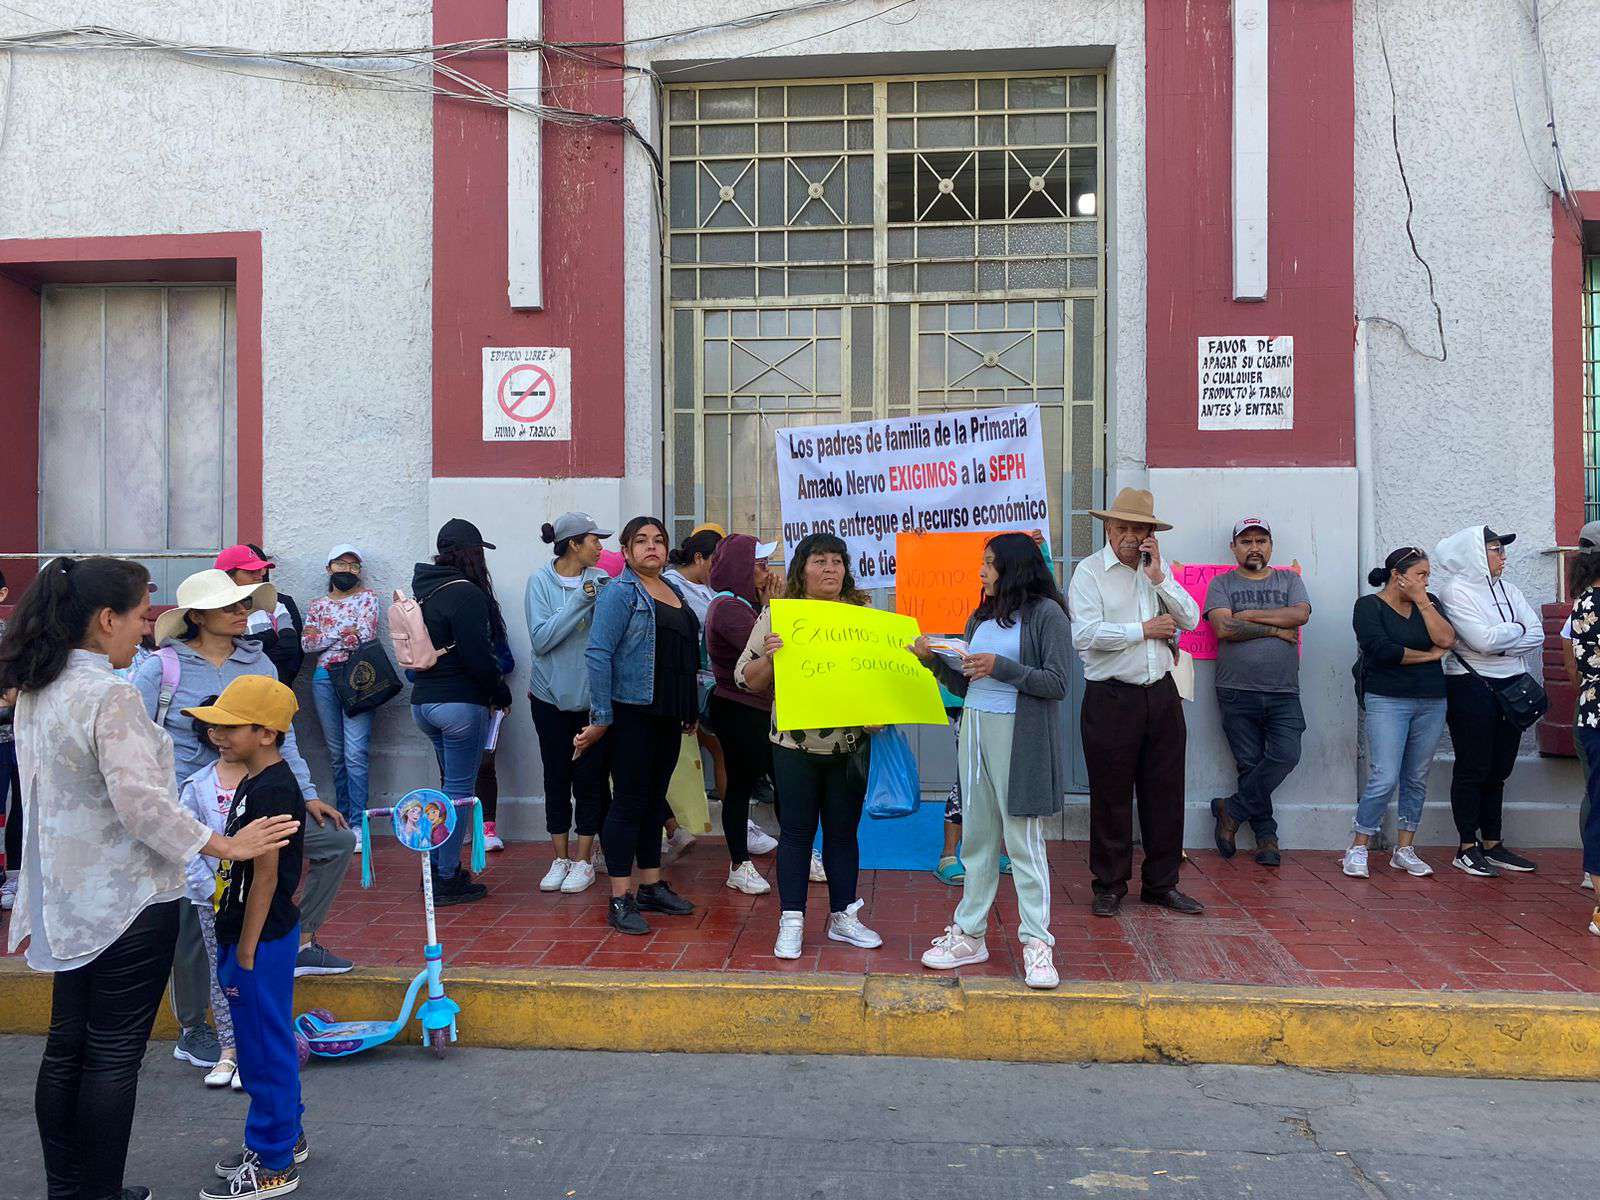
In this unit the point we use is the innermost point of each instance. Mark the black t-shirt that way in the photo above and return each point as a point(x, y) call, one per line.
point(677, 660)
point(271, 793)
point(1384, 636)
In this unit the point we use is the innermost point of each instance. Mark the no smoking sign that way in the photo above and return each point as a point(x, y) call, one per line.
point(527, 394)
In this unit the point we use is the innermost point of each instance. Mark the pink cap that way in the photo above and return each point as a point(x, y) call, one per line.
point(241, 558)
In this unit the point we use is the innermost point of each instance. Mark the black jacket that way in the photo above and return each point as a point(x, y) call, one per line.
point(457, 616)
point(282, 646)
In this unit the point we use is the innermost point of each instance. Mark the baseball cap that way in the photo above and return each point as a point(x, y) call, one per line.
point(764, 550)
point(1505, 539)
point(1589, 535)
point(250, 700)
point(1244, 523)
point(344, 550)
point(712, 526)
point(241, 558)
point(577, 524)
point(460, 534)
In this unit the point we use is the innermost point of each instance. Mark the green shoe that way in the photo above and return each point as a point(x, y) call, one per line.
point(1005, 864)
point(950, 870)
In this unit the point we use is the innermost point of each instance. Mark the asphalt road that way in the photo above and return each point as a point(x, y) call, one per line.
point(595, 1126)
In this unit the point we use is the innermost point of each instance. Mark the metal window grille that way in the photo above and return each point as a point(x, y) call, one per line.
point(873, 247)
point(139, 425)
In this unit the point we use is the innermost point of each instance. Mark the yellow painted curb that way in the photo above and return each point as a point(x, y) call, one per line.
point(1516, 1035)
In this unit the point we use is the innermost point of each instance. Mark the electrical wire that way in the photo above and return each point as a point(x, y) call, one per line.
point(1400, 163)
point(1569, 199)
point(810, 37)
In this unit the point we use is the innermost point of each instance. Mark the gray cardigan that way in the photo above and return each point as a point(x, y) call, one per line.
point(1037, 777)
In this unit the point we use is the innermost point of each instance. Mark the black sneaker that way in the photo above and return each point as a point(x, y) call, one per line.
point(253, 1180)
point(138, 1193)
point(1507, 859)
point(623, 915)
point(659, 897)
point(1472, 861)
point(458, 889)
point(229, 1167)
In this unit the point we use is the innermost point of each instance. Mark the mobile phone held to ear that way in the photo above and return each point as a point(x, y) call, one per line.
point(1144, 557)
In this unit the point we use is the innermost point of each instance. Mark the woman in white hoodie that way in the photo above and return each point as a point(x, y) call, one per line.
point(1495, 627)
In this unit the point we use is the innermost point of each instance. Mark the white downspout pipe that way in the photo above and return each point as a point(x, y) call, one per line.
point(1366, 517)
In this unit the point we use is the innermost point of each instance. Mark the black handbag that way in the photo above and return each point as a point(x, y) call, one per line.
point(1522, 701)
point(366, 680)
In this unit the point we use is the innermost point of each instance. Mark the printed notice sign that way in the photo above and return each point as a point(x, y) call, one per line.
point(937, 473)
point(527, 394)
point(1247, 383)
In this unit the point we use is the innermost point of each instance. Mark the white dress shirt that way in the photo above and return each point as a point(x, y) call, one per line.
point(1110, 603)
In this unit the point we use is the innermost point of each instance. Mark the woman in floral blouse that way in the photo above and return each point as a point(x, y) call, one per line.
point(1585, 587)
point(336, 625)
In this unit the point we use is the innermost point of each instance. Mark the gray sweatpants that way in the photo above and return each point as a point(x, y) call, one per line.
point(328, 850)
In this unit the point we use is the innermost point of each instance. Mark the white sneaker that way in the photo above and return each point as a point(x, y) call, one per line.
point(223, 1074)
point(761, 842)
point(676, 845)
point(1405, 859)
point(745, 878)
point(556, 875)
point(1355, 862)
point(355, 831)
point(491, 837)
point(238, 1082)
point(1588, 883)
point(818, 875)
point(1594, 922)
point(8, 893)
point(1039, 965)
point(955, 948)
point(580, 877)
point(791, 933)
point(847, 927)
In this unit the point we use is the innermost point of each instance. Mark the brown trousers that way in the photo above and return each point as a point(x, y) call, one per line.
point(1133, 742)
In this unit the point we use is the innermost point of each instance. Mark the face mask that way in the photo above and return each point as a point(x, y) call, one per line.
point(344, 580)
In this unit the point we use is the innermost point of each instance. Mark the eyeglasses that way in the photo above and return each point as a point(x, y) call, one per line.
point(238, 606)
point(1496, 548)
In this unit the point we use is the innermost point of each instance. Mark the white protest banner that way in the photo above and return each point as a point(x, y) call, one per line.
point(942, 472)
point(1246, 383)
point(527, 394)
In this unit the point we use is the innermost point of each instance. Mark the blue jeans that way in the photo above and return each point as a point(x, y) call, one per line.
point(457, 731)
point(347, 738)
point(1402, 735)
point(1263, 731)
point(1589, 751)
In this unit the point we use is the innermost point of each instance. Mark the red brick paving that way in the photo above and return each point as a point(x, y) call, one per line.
point(1302, 925)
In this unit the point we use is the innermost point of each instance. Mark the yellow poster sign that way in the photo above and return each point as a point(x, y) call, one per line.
point(845, 664)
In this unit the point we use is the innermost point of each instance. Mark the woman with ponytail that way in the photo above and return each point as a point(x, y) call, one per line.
point(104, 857)
point(559, 606)
point(1403, 635)
point(1584, 587)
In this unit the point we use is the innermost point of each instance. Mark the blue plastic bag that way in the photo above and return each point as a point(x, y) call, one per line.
point(893, 789)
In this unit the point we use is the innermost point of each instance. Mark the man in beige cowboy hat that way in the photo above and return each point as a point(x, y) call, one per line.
point(1127, 612)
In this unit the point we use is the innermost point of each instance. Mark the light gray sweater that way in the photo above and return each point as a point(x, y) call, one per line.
point(1038, 776)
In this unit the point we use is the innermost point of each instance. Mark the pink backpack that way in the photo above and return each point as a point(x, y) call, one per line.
point(413, 647)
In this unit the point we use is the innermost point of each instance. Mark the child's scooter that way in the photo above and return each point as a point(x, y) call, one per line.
point(423, 819)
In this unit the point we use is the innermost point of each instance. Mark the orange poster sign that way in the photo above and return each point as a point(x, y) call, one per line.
point(936, 578)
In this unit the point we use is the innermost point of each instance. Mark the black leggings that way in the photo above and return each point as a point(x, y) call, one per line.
point(1486, 750)
point(487, 789)
point(100, 1019)
point(748, 755)
point(11, 789)
point(644, 752)
point(813, 787)
point(564, 779)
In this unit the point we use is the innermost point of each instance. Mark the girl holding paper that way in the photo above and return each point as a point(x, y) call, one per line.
point(811, 767)
point(1012, 679)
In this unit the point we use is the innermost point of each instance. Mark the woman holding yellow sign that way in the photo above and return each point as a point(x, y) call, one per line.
point(812, 767)
point(1012, 675)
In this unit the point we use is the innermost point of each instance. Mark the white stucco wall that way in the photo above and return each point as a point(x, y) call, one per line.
point(1467, 441)
point(339, 182)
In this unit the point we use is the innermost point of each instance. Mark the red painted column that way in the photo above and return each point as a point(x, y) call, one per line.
point(1311, 274)
point(1566, 347)
point(582, 250)
point(19, 430)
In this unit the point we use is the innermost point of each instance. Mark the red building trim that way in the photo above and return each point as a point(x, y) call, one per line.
point(1311, 259)
point(26, 264)
point(1566, 351)
point(584, 283)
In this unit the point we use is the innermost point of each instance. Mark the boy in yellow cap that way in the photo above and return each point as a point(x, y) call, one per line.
point(258, 939)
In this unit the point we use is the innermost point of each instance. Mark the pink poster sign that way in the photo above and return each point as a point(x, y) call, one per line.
point(1195, 578)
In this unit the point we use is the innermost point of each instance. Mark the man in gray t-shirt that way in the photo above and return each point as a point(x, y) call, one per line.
point(1256, 612)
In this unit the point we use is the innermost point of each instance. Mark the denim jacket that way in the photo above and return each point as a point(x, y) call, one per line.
point(622, 647)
